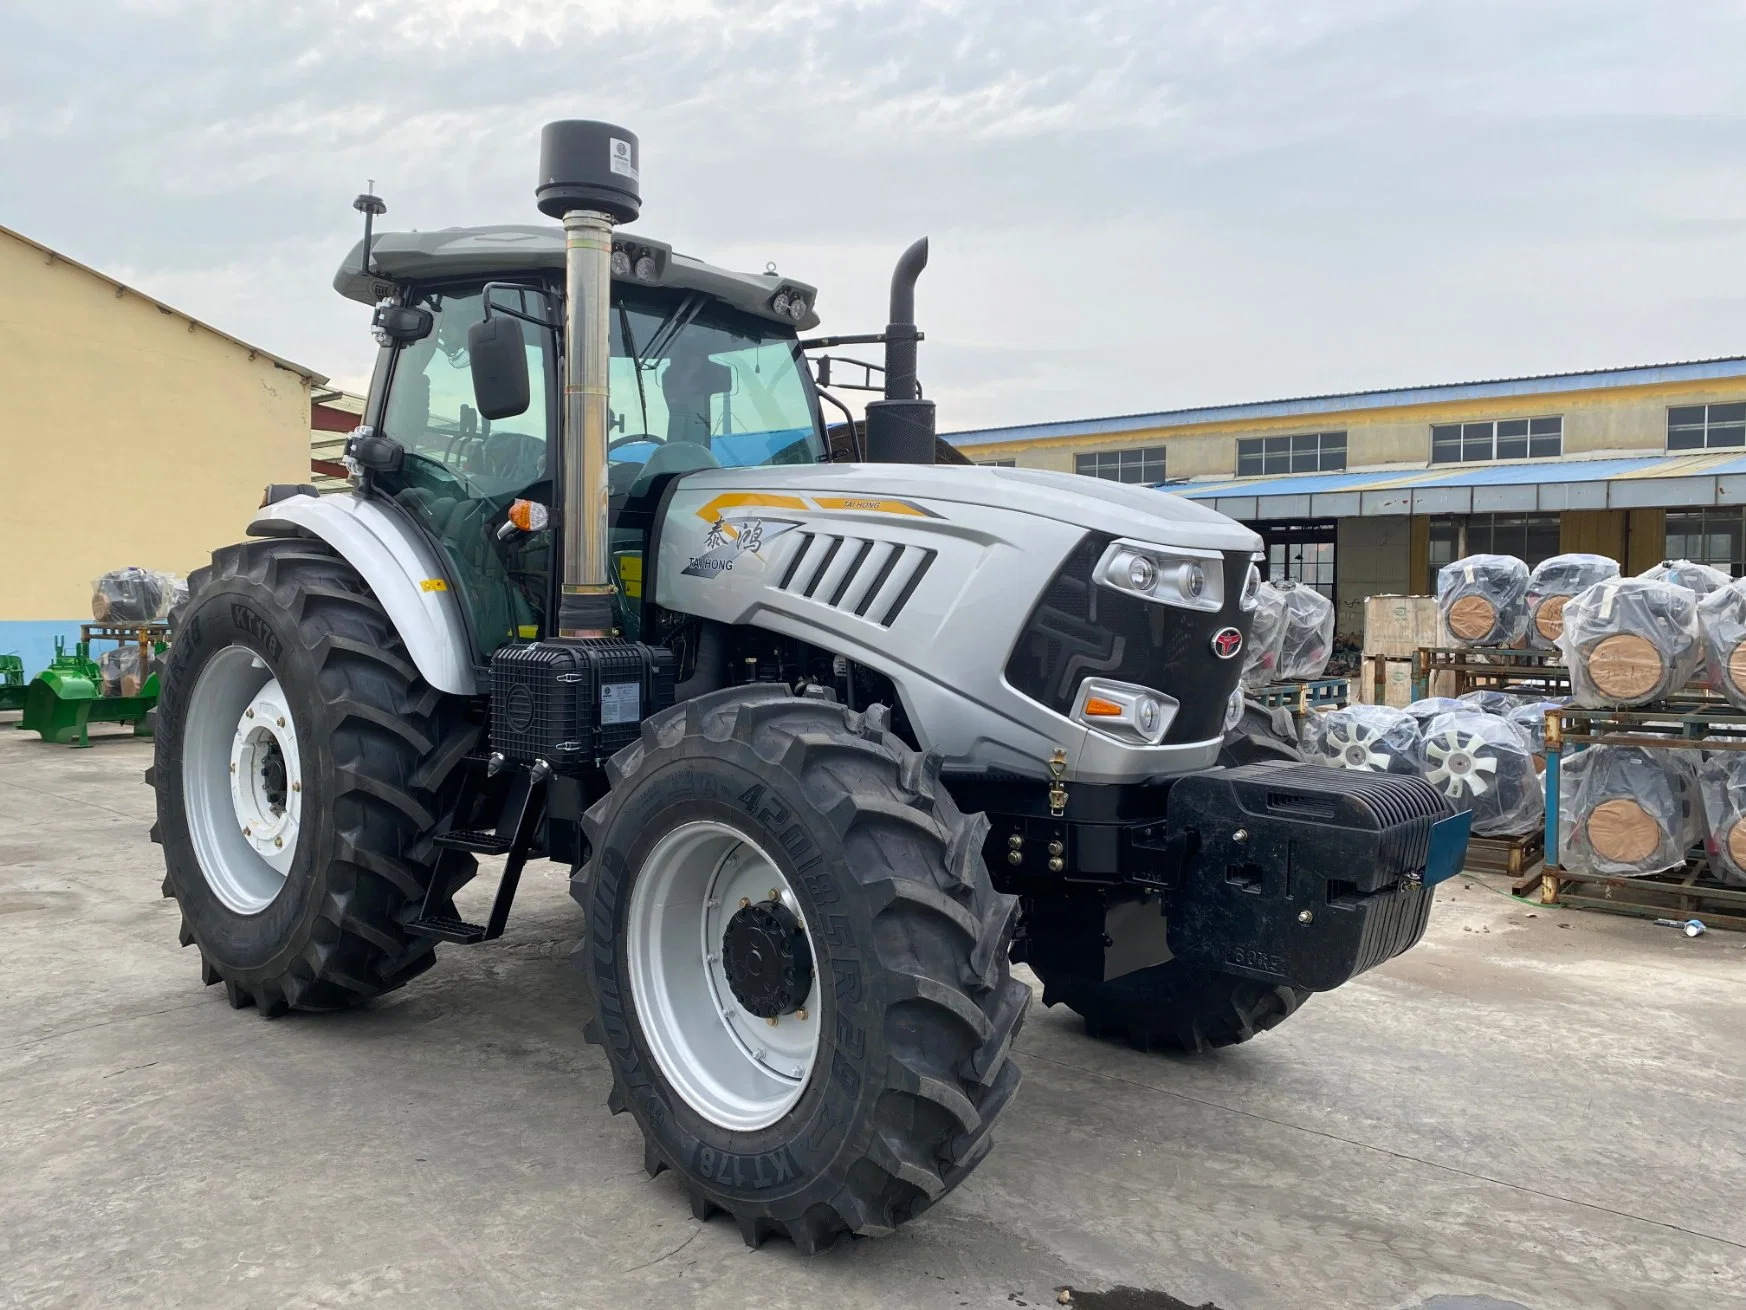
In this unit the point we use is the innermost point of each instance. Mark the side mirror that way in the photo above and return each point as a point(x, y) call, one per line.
point(498, 352)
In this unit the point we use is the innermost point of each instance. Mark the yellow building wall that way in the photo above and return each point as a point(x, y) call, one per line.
point(1608, 419)
point(128, 434)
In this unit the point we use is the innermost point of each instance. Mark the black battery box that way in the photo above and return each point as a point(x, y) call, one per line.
point(574, 704)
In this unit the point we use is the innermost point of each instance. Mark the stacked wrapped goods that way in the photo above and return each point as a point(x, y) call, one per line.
point(1266, 637)
point(1431, 706)
point(1698, 578)
point(1483, 764)
point(1722, 782)
point(1629, 641)
point(134, 596)
point(1484, 600)
point(1308, 638)
point(1531, 719)
point(1624, 811)
point(1722, 622)
point(1488, 700)
point(1371, 739)
point(1551, 585)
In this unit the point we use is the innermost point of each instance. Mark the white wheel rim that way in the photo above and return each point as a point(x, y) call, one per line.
point(242, 780)
point(735, 1069)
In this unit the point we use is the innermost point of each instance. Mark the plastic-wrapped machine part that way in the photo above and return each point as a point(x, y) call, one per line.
point(1309, 632)
point(128, 596)
point(1531, 719)
point(1722, 622)
point(1722, 781)
point(1371, 739)
point(1551, 585)
point(1624, 811)
point(1483, 764)
point(176, 595)
point(1266, 637)
point(1629, 641)
point(1699, 578)
point(1309, 735)
point(1489, 701)
point(1484, 600)
point(121, 674)
point(1431, 706)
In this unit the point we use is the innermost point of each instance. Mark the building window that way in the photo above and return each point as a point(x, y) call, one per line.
point(1529, 537)
point(1301, 552)
point(1308, 452)
point(1706, 427)
point(1511, 438)
point(998, 463)
point(1716, 537)
point(1145, 465)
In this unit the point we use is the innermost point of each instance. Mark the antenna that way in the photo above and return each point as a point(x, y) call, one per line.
point(369, 205)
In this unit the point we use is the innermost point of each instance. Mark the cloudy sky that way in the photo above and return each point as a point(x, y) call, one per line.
point(1132, 206)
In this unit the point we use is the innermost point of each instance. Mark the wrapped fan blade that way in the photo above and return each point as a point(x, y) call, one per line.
point(1484, 600)
point(1371, 739)
point(1629, 641)
point(1308, 639)
point(1626, 811)
point(1483, 764)
point(1550, 587)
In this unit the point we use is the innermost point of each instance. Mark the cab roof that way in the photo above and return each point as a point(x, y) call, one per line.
point(510, 249)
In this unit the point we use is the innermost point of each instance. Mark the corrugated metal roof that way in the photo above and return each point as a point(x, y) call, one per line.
point(1731, 366)
point(1704, 478)
point(302, 370)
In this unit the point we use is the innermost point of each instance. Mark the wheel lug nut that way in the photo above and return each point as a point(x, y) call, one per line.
point(775, 895)
point(774, 1021)
point(800, 1014)
point(296, 786)
point(249, 713)
point(745, 901)
point(279, 841)
point(281, 721)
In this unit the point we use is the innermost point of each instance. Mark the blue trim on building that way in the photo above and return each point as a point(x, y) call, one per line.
point(34, 639)
point(1343, 402)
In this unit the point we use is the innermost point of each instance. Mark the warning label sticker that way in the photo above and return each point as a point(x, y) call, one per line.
point(621, 162)
point(620, 702)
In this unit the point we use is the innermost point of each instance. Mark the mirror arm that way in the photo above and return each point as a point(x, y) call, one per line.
point(541, 292)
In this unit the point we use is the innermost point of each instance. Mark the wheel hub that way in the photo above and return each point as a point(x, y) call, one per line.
point(766, 959)
point(265, 789)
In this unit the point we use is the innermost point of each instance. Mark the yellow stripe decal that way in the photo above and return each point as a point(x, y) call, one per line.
point(870, 505)
point(748, 499)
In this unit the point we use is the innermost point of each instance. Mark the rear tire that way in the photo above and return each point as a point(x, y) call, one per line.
point(1173, 1006)
point(351, 780)
point(910, 990)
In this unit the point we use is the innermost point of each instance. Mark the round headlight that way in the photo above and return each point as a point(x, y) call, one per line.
point(1147, 713)
point(797, 309)
point(646, 269)
point(1142, 573)
point(621, 264)
point(1194, 581)
point(780, 303)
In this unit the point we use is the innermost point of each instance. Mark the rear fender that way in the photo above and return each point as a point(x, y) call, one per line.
point(402, 567)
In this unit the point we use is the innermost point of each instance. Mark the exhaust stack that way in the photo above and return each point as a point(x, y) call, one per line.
point(589, 178)
point(900, 428)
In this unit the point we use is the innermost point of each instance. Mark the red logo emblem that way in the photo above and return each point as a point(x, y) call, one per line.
point(1226, 642)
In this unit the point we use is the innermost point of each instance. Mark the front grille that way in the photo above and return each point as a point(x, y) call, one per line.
point(1080, 629)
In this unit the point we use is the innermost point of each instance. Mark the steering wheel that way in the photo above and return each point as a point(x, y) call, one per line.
point(618, 442)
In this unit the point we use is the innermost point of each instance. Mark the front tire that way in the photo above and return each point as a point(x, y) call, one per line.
point(884, 965)
point(301, 765)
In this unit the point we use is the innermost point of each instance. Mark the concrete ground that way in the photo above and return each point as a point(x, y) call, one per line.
point(1536, 1107)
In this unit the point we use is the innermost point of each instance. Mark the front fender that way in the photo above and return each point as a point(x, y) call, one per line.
point(404, 569)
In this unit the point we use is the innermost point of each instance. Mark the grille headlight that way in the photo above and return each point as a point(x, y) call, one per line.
point(1251, 589)
point(1137, 715)
point(1172, 575)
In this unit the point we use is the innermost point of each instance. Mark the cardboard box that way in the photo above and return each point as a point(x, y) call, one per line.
point(1397, 626)
point(1397, 682)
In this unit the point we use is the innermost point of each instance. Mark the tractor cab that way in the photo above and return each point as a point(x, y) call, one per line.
point(705, 372)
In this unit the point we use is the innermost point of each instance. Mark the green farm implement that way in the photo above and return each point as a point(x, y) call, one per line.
point(62, 701)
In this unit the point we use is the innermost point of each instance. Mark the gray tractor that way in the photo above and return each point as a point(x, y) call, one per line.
point(827, 733)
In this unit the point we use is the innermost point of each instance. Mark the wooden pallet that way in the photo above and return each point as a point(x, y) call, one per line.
point(1688, 893)
point(1516, 857)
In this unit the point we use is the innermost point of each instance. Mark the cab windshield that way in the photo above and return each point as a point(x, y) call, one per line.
point(695, 384)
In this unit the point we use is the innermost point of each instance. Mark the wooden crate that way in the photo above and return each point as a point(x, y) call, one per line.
point(1689, 893)
point(1518, 858)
